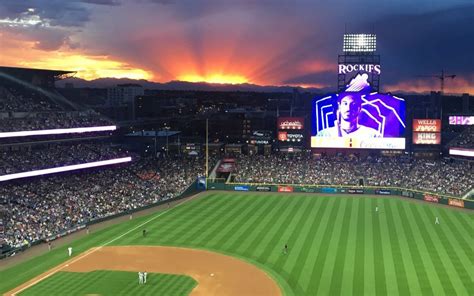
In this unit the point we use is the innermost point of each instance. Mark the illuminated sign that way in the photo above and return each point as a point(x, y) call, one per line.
point(358, 118)
point(58, 131)
point(287, 123)
point(427, 125)
point(290, 137)
point(461, 152)
point(360, 43)
point(344, 69)
point(64, 168)
point(461, 120)
point(427, 138)
point(456, 202)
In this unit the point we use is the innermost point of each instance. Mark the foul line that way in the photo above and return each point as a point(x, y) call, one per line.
point(65, 264)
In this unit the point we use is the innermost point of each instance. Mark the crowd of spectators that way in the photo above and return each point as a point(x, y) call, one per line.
point(41, 208)
point(438, 176)
point(22, 99)
point(464, 139)
point(56, 154)
point(52, 120)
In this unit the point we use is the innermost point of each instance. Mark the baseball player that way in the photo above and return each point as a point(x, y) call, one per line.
point(144, 277)
point(285, 249)
point(376, 209)
point(140, 278)
point(437, 220)
point(69, 250)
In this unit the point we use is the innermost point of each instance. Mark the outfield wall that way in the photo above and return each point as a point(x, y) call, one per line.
point(337, 189)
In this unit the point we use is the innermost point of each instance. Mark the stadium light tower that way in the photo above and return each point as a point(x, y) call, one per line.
point(359, 56)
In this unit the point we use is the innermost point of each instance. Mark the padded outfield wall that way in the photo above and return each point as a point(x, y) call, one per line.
point(336, 189)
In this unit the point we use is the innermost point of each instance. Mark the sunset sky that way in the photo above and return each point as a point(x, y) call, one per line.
point(267, 42)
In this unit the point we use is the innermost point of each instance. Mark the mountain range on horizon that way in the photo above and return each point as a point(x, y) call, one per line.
point(197, 86)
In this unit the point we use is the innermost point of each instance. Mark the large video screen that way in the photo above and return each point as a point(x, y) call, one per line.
point(358, 118)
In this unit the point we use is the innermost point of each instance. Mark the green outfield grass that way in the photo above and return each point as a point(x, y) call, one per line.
point(111, 283)
point(338, 245)
point(103, 282)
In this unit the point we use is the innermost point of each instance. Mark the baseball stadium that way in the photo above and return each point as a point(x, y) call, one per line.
point(118, 185)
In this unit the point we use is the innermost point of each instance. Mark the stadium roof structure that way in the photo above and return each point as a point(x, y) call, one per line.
point(17, 71)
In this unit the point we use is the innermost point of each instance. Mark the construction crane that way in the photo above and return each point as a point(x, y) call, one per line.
point(441, 78)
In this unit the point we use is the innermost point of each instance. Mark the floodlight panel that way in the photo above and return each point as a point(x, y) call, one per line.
point(360, 43)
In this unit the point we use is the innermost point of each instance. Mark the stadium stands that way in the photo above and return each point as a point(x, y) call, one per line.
point(441, 176)
point(46, 206)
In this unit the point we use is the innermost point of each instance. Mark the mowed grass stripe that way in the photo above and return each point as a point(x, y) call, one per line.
point(346, 283)
point(412, 262)
point(278, 235)
point(227, 231)
point(397, 251)
point(465, 221)
point(335, 280)
point(369, 272)
point(303, 255)
point(214, 231)
point(442, 231)
point(317, 271)
point(455, 227)
point(260, 238)
point(194, 234)
point(378, 250)
point(247, 226)
point(432, 282)
point(328, 266)
point(416, 255)
point(174, 230)
point(250, 244)
point(436, 263)
point(388, 256)
point(359, 260)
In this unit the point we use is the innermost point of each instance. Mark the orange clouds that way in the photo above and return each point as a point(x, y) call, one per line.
point(461, 84)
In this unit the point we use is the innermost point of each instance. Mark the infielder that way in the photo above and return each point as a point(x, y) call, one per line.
point(140, 277)
point(69, 250)
point(144, 277)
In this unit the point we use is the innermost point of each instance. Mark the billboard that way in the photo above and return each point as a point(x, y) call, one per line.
point(427, 138)
point(461, 120)
point(285, 188)
point(290, 123)
point(289, 137)
point(358, 118)
point(427, 125)
point(431, 198)
point(456, 202)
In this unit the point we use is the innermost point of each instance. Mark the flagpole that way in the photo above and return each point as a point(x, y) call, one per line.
point(207, 150)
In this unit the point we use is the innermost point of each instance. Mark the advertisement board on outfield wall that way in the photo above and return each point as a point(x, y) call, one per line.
point(285, 188)
point(456, 202)
point(355, 191)
point(263, 188)
point(431, 198)
point(328, 190)
point(241, 188)
point(383, 191)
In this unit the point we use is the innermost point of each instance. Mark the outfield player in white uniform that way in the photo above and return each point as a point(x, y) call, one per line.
point(69, 250)
point(140, 277)
point(437, 220)
point(144, 277)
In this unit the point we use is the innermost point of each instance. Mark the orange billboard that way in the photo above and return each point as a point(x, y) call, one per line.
point(427, 125)
point(427, 138)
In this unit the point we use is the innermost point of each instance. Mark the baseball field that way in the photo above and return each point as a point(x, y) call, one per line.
point(232, 243)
